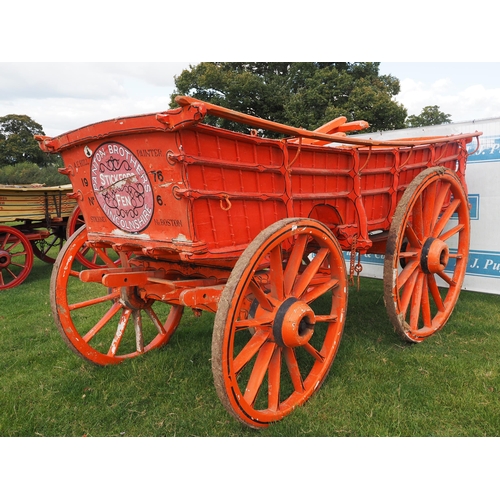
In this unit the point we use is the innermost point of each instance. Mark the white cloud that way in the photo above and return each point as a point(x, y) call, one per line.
point(65, 96)
point(472, 103)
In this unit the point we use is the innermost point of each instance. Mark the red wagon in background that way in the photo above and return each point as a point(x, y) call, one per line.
point(184, 214)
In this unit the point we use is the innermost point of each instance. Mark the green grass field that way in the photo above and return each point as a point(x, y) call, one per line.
point(378, 386)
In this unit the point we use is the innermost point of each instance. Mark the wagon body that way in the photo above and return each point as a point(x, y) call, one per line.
point(165, 185)
point(183, 214)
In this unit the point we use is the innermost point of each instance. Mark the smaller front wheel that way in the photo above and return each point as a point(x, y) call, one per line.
point(105, 325)
point(279, 321)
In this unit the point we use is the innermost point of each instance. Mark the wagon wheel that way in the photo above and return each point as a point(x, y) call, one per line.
point(428, 246)
point(105, 325)
point(271, 357)
point(43, 247)
point(16, 257)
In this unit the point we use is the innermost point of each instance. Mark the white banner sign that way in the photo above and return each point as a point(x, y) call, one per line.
point(483, 182)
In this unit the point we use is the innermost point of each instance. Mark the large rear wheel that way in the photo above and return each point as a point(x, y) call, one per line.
point(279, 321)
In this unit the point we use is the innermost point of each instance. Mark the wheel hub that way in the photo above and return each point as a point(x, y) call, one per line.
point(294, 323)
point(4, 258)
point(435, 256)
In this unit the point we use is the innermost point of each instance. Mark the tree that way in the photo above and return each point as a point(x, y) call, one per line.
point(430, 115)
point(301, 94)
point(17, 144)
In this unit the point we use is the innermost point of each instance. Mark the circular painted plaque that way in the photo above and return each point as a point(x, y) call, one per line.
point(121, 187)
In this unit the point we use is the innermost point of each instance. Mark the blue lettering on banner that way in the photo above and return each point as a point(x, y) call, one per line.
point(485, 264)
point(489, 149)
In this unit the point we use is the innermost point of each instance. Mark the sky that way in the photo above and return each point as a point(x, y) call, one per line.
point(63, 96)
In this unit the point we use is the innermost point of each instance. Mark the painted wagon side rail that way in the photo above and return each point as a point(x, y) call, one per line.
point(222, 112)
point(193, 111)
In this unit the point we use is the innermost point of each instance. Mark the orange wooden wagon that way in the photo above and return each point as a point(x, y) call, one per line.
point(254, 230)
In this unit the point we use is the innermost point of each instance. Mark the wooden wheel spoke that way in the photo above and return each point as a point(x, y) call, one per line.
point(319, 290)
point(293, 369)
point(435, 293)
point(98, 326)
point(451, 232)
point(408, 255)
point(98, 300)
point(139, 337)
point(20, 265)
point(245, 324)
point(14, 275)
point(418, 219)
point(120, 330)
point(414, 240)
point(100, 252)
point(314, 352)
point(440, 201)
point(4, 242)
point(446, 278)
point(249, 351)
point(261, 296)
point(407, 292)
point(274, 381)
point(428, 208)
point(326, 318)
point(49, 245)
point(294, 262)
point(425, 302)
point(155, 320)
point(22, 253)
point(416, 301)
point(309, 272)
point(276, 275)
point(445, 218)
point(407, 271)
point(258, 372)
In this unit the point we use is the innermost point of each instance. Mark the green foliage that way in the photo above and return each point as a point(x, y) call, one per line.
point(430, 115)
point(301, 94)
point(17, 144)
point(29, 173)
